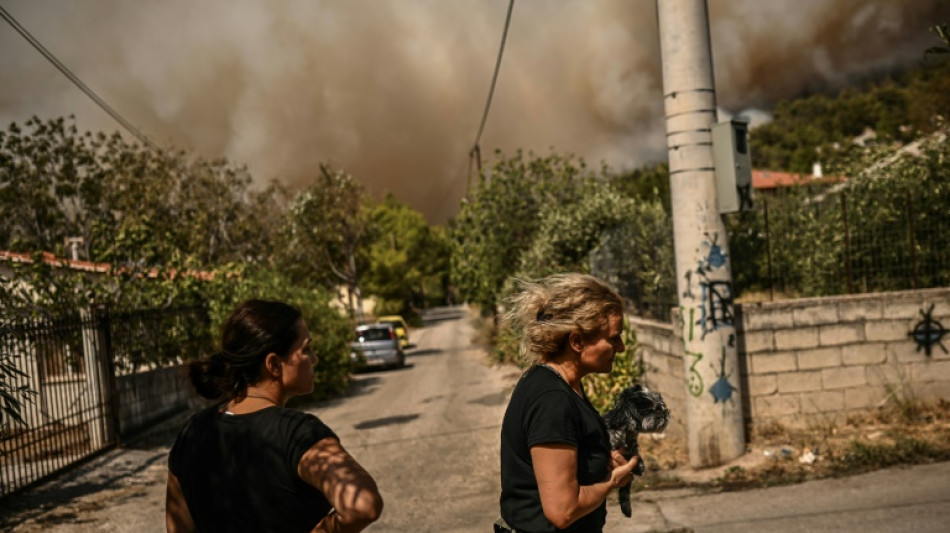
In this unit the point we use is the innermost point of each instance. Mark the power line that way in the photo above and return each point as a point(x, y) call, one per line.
point(73, 78)
point(476, 150)
point(494, 78)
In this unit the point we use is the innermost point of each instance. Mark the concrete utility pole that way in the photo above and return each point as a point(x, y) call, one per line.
point(704, 275)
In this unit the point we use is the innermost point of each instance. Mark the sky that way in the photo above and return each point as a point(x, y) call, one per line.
point(393, 91)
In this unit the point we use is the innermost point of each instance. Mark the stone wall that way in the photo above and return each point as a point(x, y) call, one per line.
point(149, 397)
point(660, 353)
point(816, 360)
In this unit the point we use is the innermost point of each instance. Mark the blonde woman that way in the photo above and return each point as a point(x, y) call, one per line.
point(556, 463)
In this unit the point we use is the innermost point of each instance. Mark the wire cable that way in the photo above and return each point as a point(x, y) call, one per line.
point(494, 78)
point(491, 91)
point(75, 79)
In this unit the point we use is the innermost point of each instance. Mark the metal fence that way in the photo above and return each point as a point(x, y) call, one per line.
point(73, 362)
point(803, 241)
point(797, 245)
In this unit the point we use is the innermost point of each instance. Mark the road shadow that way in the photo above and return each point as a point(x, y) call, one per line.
point(423, 353)
point(497, 398)
point(48, 503)
point(386, 421)
point(360, 385)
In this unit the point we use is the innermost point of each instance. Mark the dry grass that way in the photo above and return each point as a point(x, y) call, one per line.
point(777, 455)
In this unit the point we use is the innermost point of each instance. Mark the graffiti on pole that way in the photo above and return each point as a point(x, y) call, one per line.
point(715, 298)
point(722, 389)
point(694, 381)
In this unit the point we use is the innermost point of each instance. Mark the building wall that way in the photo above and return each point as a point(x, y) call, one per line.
point(816, 360)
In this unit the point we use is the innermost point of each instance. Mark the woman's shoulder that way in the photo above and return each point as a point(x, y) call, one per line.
point(540, 377)
point(539, 384)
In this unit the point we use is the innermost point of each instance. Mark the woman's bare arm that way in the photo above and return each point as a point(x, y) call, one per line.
point(350, 489)
point(177, 517)
point(563, 499)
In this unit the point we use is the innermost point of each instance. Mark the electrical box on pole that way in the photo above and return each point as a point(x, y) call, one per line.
point(733, 165)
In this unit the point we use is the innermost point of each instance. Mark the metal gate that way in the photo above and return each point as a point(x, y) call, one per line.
point(65, 361)
point(71, 362)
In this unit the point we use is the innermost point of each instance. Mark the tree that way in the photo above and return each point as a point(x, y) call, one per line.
point(408, 260)
point(499, 219)
point(327, 229)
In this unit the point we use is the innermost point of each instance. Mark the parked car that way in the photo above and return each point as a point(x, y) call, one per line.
point(376, 345)
point(399, 325)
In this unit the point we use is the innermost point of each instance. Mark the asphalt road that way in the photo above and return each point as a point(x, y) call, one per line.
point(429, 434)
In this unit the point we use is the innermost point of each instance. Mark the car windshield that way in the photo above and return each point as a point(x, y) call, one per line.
point(373, 334)
point(392, 323)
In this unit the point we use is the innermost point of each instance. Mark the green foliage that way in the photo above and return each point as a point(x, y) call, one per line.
point(865, 456)
point(408, 260)
point(884, 229)
point(568, 232)
point(501, 217)
point(818, 127)
point(12, 395)
point(636, 256)
point(182, 232)
point(131, 205)
point(648, 184)
point(327, 232)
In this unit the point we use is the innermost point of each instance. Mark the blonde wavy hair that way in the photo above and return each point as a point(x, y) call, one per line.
point(546, 311)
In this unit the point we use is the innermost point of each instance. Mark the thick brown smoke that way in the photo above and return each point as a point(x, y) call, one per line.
point(393, 91)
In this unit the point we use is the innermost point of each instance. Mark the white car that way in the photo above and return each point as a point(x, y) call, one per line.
point(376, 345)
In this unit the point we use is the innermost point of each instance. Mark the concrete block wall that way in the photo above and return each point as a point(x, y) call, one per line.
point(660, 353)
point(816, 360)
point(148, 397)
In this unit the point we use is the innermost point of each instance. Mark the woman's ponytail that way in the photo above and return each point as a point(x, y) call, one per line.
point(210, 376)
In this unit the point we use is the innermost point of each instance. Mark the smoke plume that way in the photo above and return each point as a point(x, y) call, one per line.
point(393, 92)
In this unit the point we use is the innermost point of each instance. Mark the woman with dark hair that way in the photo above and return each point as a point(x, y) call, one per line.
point(556, 463)
point(250, 464)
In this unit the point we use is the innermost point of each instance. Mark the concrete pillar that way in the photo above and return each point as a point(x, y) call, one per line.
point(98, 370)
point(704, 275)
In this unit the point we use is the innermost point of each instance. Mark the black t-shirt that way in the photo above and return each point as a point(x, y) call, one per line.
point(545, 410)
point(239, 472)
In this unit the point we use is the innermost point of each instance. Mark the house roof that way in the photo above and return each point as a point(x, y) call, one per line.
point(772, 179)
point(98, 268)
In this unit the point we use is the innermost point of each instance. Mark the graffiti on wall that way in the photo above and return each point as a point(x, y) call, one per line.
point(928, 332)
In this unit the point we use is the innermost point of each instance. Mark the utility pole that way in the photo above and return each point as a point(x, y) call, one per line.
point(704, 274)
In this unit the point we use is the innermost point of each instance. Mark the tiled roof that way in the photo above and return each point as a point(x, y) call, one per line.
point(99, 268)
point(771, 179)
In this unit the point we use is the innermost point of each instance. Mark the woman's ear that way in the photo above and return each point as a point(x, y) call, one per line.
point(272, 365)
point(575, 341)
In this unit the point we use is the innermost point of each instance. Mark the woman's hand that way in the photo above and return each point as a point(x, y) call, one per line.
point(622, 474)
point(618, 458)
point(563, 500)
